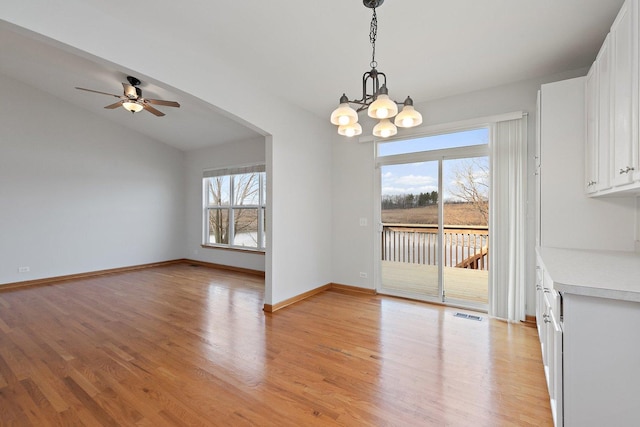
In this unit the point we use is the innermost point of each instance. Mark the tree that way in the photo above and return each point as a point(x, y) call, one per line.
point(471, 184)
point(246, 190)
point(218, 218)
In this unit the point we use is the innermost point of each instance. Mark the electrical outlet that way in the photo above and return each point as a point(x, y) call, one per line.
point(363, 274)
point(363, 222)
point(23, 269)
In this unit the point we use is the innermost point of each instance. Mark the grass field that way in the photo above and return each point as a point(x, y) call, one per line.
point(454, 214)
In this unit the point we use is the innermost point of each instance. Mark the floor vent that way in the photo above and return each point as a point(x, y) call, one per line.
point(468, 316)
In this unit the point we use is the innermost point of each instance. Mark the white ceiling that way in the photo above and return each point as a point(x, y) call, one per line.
point(308, 53)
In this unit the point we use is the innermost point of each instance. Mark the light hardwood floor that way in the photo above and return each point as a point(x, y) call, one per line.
point(185, 345)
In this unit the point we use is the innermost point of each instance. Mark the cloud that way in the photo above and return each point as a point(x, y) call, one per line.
point(408, 184)
point(416, 180)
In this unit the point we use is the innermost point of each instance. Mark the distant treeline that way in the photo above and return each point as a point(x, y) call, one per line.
point(405, 201)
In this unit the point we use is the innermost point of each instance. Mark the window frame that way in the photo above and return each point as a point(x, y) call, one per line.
point(232, 207)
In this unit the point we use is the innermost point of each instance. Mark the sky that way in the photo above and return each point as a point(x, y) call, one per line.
point(422, 177)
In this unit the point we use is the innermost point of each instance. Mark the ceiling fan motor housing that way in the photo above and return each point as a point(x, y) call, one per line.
point(133, 81)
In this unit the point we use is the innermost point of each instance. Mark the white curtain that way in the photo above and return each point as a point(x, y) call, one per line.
point(507, 267)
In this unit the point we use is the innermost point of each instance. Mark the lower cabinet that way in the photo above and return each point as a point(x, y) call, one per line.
point(601, 354)
point(556, 373)
point(591, 354)
point(549, 322)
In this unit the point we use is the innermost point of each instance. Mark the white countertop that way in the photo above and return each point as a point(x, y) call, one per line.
point(605, 274)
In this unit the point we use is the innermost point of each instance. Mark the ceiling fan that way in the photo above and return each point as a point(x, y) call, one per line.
point(132, 99)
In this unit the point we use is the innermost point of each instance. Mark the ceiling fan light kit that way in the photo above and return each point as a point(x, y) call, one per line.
point(132, 106)
point(132, 100)
point(375, 98)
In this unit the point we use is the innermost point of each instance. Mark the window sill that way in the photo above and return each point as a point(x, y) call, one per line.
point(235, 249)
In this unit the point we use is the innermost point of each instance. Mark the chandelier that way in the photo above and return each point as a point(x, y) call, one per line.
point(375, 98)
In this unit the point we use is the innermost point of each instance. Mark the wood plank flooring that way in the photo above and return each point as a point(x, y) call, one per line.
point(184, 345)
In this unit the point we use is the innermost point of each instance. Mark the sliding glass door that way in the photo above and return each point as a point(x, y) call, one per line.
point(410, 239)
point(466, 231)
point(434, 234)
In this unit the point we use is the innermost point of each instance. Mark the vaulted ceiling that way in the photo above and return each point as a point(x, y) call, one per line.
point(309, 53)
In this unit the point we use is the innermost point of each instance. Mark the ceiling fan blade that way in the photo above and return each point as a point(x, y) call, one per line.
point(162, 102)
point(152, 110)
point(97, 91)
point(131, 92)
point(112, 106)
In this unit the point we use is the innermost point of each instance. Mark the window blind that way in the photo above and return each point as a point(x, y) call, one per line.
point(233, 171)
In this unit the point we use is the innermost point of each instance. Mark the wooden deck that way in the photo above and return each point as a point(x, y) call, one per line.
point(459, 283)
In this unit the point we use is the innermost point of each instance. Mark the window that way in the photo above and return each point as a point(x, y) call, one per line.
point(234, 207)
point(472, 137)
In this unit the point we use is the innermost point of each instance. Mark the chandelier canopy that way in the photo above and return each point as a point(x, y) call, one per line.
point(375, 98)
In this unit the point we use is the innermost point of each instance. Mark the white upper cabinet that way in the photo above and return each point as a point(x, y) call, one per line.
point(598, 122)
point(603, 64)
point(591, 130)
point(612, 93)
point(624, 60)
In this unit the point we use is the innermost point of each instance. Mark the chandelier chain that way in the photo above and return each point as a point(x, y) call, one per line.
point(373, 34)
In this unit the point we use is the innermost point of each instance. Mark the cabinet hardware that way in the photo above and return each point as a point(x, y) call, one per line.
point(547, 291)
point(626, 170)
point(590, 183)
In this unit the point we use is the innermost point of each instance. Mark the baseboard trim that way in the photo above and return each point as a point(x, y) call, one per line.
point(336, 287)
point(56, 279)
point(348, 289)
point(51, 280)
point(224, 267)
point(530, 321)
point(270, 308)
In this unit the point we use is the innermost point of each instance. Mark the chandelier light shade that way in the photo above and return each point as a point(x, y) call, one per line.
point(408, 117)
point(383, 107)
point(375, 98)
point(385, 129)
point(353, 129)
point(133, 106)
point(344, 114)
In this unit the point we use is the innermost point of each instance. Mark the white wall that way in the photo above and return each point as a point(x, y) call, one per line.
point(569, 219)
point(319, 184)
point(79, 194)
point(233, 154)
point(298, 148)
point(299, 188)
point(354, 175)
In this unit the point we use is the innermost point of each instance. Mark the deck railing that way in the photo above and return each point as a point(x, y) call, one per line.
point(464, 246)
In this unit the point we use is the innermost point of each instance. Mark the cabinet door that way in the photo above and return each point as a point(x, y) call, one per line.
point(556, 372)
point(591, 130)
point(622, 45)
point(603, 64)
point(540, 312)
point(601, 367)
